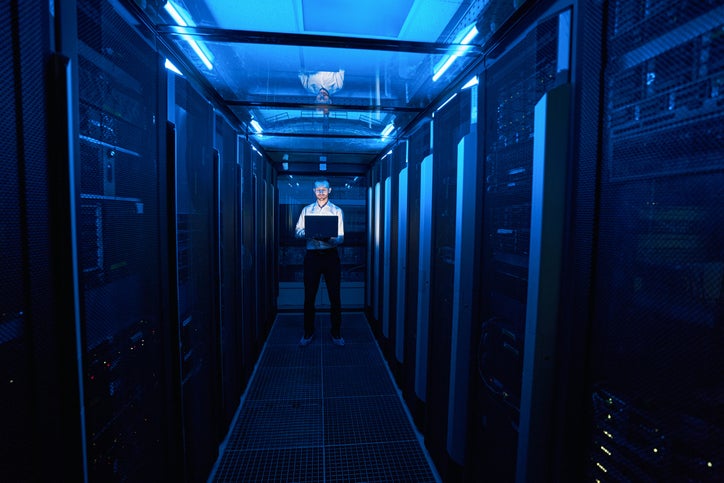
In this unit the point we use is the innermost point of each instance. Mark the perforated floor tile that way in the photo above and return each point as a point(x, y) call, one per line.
point(354, 335)
point(351, 355)
point(287, 335)
point(392, 462)
point(281, 465)
point(347, 381)
point(278, 424)
point(374, 419)
point(290, 355)
point(286, 383)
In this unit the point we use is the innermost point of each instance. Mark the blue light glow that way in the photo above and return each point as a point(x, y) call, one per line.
point(467, 38)
point(472, 82)
point(175, 12)
point(388, 129)
point(169, 65)
point(255, 124)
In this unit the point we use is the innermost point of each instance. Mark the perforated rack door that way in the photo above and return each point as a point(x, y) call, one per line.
point(657, 334)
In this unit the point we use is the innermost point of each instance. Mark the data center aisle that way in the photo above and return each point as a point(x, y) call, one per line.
point(322, 413)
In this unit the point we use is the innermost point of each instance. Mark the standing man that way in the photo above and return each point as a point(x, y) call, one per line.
point(322, 258)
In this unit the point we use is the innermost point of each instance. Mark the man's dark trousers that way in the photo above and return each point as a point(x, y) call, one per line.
point(316, 264)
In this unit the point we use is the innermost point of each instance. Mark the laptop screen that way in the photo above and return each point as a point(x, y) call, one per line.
point(322, 226)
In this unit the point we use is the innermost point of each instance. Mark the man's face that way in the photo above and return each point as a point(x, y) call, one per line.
point(323, 97)
point(322, 193)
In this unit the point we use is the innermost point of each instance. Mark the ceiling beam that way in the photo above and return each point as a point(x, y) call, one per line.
point(331, 107)
point(212, 34)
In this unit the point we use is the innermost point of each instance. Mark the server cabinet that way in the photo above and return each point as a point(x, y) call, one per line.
point(394, 161)
point(424, 285)
point(120, 228)
point(250, 290)
point(197, 277)
point(657, 387)
point(401, 268)
point(39, 349)
point(230, 321)
point(451, 123)
point(418, 148)
point(518, 73)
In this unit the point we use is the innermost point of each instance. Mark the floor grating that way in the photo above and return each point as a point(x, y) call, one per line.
point(322, 413)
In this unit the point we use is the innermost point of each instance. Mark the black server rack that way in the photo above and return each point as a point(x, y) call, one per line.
point(40, 383)
point(450, 124)
point(389, 259)
point(250, 295)
point(197, 278)
point(419, 148)
point(120, 257)
point(395, 357)
point(657, 390)
point(518, 73)
point(229, 229)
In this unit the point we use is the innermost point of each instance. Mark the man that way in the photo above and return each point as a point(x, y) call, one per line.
point(315, 82)
point(323, 84)
point(322, 258)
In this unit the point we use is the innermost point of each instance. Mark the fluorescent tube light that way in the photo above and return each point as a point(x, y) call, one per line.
point(175, 14)
point(387, 130)
point(323, 166)
point(255, 124)
point(448, 100)
point(469, 36)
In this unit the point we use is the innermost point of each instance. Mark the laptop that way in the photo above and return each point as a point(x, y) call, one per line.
point(321, 226)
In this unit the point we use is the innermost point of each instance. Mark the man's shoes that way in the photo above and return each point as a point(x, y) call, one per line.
point(305, 341)
point(337, 340)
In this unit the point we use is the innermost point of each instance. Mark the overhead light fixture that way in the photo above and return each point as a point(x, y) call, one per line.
point(255, 124)
point(445, 103)
point(470, 34)
point(387, 130)
point(323, 166)
point(285, 166)
point(169, 65)
point(472, 82)
point(175, 12)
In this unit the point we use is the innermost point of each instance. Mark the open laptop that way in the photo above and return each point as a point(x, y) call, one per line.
point(321, 226)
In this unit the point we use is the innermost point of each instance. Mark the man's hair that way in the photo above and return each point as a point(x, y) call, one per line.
point(321, 182)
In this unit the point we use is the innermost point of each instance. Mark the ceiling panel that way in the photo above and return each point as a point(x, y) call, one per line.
point(373, 18)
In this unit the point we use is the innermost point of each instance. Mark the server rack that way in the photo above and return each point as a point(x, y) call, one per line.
point(120, 230)
point(418, 149)
point(454, 121)
point(38, 345)
point(229, 231)
point(250, 345)
point(656, 388)
point(395, 161)
point(197, 265)
point(518, 73)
